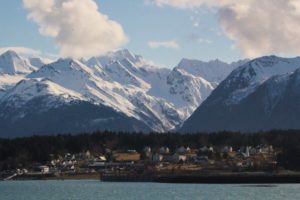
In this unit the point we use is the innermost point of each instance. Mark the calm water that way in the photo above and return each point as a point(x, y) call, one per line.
point(94, 190)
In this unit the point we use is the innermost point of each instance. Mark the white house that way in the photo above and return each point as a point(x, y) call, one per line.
point(102, 158)
point(88, 154)
point(188, 149)
point(44, 169)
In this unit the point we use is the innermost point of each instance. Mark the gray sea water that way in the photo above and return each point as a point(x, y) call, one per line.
point(94, 190)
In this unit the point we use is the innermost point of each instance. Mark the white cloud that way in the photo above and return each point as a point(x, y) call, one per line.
point(163, 44)
point(178, 3)
point(77, 26)
point(20, 50)
point(258, 27)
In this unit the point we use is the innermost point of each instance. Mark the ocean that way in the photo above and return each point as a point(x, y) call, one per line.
point(96, 190)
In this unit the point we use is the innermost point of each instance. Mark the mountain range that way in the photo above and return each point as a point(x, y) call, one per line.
point(261, 95)
point(120, 91)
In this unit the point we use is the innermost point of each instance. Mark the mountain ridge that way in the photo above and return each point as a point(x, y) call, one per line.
point(152, 98)
point(243, 100)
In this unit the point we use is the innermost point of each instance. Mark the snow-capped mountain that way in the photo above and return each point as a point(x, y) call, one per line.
point(185, 87)
point(187, 91)
point(118, 87)
point(40, 106)
point(12, 64)
point(38, 62)
point(262, 94)
point(13, 68)
point(213, 71)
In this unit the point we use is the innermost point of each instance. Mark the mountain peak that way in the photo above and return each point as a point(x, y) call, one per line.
point(125, 54)
point(67, 64)
point(66, 60)
point(37, 62)
point(187, 61)
point(10, 53)
point(212, 71)
point(11, 63)
point(61, 66)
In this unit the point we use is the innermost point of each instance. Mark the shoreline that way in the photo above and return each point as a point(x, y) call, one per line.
point(216, 178)
point(219, 178)
point(32, 177)
point(232, 179)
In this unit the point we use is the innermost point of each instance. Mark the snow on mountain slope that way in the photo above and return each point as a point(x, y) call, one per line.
point(28, 89)
point(213, 71)
point(38, 62)
point(11, 63)
point(7, 81)
point(187, 91)
point(75, 76)
point(192, 81)
point(246, 78)
point(128, 97)
point(184, 87)
point(130, 87)
point(260, 95)
point(13, 68)
point(40, 106)
point(112, 57)
point(119, 73)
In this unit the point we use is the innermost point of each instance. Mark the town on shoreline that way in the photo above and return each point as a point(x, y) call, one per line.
point(157, 161)
point(112, 157)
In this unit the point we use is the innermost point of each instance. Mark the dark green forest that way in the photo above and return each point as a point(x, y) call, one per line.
point(22, 152)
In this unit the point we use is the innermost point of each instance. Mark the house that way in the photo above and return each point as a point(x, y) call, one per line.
point(177, 158)
point(188, 150)
point(42, 169)
point(147, 150)
point(88, 154)
point(181, 150)
point(267, 149)
point(227, 149)
point(168, 158)
point(68, 156)
point(100, 159)
point(206, 149)
point(54, 162)
point(24, 171)
point(239, 164)
point(97, 165)
point(147, 154)
point(158, 157)
point(201, 160)
point(164, 150)
point(127, 157)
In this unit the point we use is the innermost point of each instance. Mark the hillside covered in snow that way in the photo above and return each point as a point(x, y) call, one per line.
point(263, 94)
point(120, 91)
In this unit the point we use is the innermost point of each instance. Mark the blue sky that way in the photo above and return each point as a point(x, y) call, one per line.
point(196, 31)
